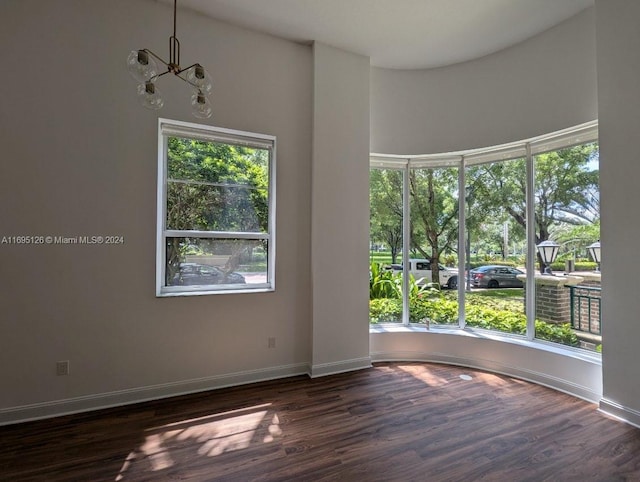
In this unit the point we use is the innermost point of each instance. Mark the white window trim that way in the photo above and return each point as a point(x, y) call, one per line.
point(171, 128)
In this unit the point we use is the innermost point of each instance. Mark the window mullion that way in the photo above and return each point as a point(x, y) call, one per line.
point(462, 228)
point(530, 286)
point(161, 245)
point(406, 233)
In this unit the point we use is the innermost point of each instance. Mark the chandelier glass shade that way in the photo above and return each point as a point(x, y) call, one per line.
point(143, 66)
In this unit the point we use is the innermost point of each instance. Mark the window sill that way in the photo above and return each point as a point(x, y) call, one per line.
point(576, 353)
point(202, 292)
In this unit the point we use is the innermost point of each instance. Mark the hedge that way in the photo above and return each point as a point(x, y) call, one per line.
point(480, 312)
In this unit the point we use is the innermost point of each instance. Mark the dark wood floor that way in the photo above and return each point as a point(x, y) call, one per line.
point(394, 422)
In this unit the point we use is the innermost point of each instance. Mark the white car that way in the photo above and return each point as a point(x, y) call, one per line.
point(421, 271)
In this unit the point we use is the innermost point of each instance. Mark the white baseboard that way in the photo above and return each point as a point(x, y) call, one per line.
point(135, 395)
point(324, 369)
point(583, 392)
point(625, 414)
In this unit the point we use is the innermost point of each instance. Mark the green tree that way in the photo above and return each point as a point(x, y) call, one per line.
point(566, 189)
point(434, 213)
point(485, 224)
point(575, 239)
point(385, 199)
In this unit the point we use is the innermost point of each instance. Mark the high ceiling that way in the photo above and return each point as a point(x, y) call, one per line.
point(403, 34)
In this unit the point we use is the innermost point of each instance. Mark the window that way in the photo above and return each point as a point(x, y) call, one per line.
point(481, 213)
point(567, 211)
point(386, 187)
point(216, 209)
point(433, 236)
point(495, 231)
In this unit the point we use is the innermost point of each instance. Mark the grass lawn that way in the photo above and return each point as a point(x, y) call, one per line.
point(383, 257)
point(508, 299)
point(500, 293)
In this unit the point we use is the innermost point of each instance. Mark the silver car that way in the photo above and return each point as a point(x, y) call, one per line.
point(495, 276)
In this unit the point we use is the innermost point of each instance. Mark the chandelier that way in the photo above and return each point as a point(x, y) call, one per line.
point(143, 68)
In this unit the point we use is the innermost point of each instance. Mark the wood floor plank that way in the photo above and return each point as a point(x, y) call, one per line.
point(393, 422)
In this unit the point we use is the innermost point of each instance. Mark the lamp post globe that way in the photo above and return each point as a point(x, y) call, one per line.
point(548, 251)
point(594, 251)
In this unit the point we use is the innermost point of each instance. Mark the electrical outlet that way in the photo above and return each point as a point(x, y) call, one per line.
point(271, 342)
point(62, 368)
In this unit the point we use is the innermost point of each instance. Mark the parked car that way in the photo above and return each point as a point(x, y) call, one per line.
point(496, 277)
point(421, 271)
point(202, 274)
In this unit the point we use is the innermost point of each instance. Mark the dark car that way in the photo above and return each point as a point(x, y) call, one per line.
point(202, 274)
point(496, 277)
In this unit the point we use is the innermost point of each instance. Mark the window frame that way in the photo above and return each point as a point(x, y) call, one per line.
point(171, 128)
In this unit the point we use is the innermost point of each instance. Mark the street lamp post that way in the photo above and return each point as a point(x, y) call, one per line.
point(548, 251)
point(594, 251)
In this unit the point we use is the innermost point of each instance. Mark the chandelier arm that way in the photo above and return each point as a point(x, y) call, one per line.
point(186, 68)
point(155, 56)
point(156, 77)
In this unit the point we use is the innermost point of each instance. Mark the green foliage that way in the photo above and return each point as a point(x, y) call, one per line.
point(566, 198)
point(216, 187)
point(385, 201)
point(481, 312)
point(494, 318)
point(434, 212)
point(385, 310)
point(510, 294)
point(579, 266)
point(382, 257)
point(384, 283)
point(434, 309)
point(449, 260)
point(434, 208)
point(559, 333)
point(575, 239)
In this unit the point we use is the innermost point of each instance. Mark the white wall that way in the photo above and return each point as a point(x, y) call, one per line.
point(541, 85)
point(79, 158)
point(340, 206)
point(619, 111)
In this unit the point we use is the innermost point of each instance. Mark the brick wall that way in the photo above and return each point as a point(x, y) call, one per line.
point(553, 303)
